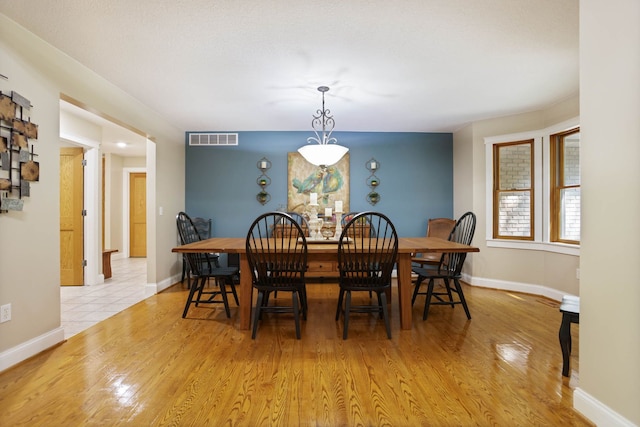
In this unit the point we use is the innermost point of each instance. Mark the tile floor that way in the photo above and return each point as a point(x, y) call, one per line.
point(84, 306)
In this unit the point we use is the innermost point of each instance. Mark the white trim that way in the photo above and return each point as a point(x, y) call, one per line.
point(92, 235)
point(126, 172)
point(597, 412)
point(560, 248)
point(25, 350)
point(527, 288)
point(166, 283)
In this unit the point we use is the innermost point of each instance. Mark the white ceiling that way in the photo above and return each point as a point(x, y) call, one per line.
point(234, 65)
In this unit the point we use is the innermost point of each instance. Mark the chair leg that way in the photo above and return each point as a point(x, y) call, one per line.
point(184, 269)
point(340, 298)
point(303, 302)
point(380, 303)
point(385, 313)
point(296, 312)
point(447, 286)
point(193, 287)
point(416, 289)
point(427, 301)
point(347, 307)
point(256, 314)
point(223, 292)
point(265, 301)
point(201, 286)
point(233, 290)
point(462, 298)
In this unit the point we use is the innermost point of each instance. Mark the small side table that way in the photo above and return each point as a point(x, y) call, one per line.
point(570, 309)
point(106, 262)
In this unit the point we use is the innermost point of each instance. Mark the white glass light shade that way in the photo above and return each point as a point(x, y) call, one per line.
point(323, 154)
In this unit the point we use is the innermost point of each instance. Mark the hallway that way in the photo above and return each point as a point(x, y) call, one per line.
point(84, 306)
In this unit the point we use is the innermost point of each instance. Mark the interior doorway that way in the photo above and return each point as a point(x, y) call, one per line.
point(106, 222)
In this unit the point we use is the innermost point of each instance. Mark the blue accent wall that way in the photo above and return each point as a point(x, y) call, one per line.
point(416, 177)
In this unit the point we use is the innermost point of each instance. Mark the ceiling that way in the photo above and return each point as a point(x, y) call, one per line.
point(240, 65)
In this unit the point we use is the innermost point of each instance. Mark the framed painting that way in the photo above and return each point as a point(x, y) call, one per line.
point(330, 183)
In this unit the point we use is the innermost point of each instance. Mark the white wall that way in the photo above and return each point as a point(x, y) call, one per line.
point(42, 74)
point(30, 254)
point(609, 264)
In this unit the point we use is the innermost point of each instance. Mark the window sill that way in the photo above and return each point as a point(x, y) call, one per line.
point(561, 248)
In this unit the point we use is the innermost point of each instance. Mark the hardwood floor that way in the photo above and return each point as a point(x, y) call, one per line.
point(148, 366)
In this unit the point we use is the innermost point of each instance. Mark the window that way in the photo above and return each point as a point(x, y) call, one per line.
point(565, 187)
point(513, 190)
point(533, 189)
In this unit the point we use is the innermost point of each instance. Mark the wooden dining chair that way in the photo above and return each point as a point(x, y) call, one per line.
point(366, 263)
point(449, 270)
point(436, 227)
point(302, 221)
point(277, 263)
point(202, 268)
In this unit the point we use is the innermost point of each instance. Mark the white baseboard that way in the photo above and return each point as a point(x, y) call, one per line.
point(17, 354)
point(504, 285)
point(597, 412)
point(154, 288)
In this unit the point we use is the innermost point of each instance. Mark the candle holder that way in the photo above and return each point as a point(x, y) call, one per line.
point(313, 221)
point(263, 180)
point(373, 181)
point(338, 232)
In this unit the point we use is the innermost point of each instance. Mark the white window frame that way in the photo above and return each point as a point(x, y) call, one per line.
point(541, 190)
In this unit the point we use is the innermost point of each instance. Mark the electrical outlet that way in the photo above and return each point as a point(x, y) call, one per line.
point(5, 313)
point(578, 273)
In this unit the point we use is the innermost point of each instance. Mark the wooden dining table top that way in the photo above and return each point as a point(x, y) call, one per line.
point(410, 245)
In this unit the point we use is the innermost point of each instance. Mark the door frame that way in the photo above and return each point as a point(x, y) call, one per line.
point(91, 175)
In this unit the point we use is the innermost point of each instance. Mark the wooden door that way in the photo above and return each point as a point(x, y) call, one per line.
point(71, 219)
point(138, 215)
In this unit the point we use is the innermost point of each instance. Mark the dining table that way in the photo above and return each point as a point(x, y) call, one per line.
point(328, 252)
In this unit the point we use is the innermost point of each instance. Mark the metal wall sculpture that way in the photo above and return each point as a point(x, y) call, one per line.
point(18, 165)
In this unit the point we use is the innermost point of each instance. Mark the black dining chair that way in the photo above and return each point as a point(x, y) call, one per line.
point(449, 270)
point(203, 228)
point(365, 262)
point(202, 267)
point(277, 263)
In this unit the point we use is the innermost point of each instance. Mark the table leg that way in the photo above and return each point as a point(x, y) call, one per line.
point(565, 342)
point(404, 289)
point(246, 293)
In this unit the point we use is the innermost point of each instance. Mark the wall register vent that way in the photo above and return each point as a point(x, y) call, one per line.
point(211, 139)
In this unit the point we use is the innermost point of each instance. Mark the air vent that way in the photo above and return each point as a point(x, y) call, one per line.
point(208, 139)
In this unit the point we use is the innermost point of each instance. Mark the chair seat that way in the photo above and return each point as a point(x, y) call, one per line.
point(219, 271)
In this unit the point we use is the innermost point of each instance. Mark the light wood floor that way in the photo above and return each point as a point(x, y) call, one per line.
point(148, 366)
